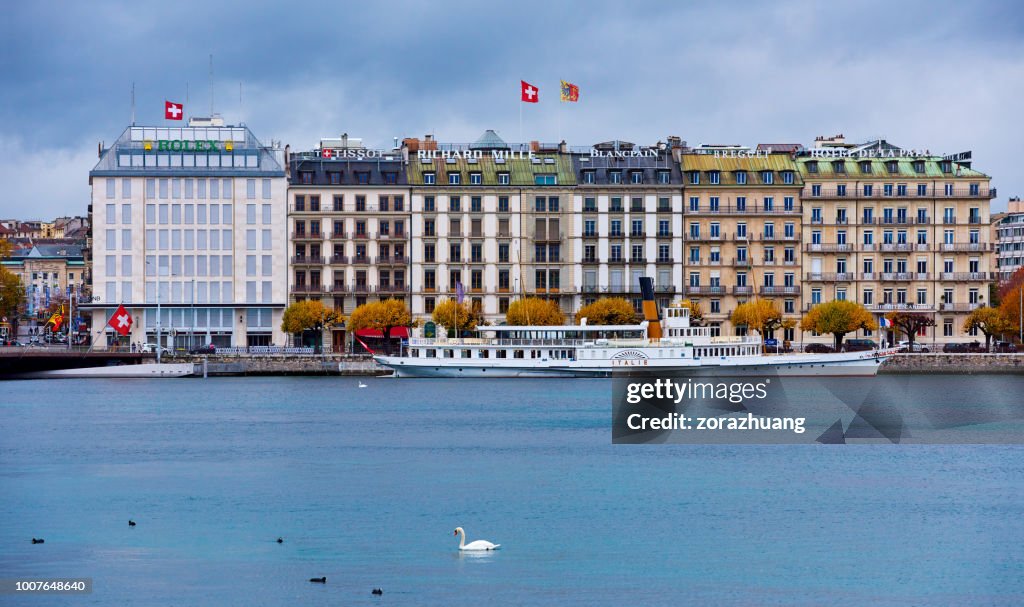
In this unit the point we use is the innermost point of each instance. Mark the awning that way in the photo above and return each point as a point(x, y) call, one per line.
point(402, 332)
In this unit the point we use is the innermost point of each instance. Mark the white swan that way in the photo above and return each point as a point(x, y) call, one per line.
point(477, 545)
point(362, 385)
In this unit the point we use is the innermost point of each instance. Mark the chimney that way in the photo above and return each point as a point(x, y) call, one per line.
point(650, 308)
point(563, 148)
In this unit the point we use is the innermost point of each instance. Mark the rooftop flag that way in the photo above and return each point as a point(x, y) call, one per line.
point(570, 92)
point(529, 92)
point(173, 111)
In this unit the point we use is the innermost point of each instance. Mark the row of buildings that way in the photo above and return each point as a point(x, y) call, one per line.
point(221, 232)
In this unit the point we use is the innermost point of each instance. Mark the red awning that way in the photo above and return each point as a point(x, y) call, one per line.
point(396, 332)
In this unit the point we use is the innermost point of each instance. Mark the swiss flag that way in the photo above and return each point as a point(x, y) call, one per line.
point(121, 321)
point(173, 111)
point(529, 92)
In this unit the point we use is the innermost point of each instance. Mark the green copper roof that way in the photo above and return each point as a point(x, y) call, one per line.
point(878, 168)
point(522, 171)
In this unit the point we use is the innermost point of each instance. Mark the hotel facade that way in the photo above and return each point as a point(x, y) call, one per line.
point(190, 221)
point(348, 222)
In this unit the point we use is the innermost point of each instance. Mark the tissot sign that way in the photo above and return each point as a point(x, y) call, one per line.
point(187, 145)
point(354, 153)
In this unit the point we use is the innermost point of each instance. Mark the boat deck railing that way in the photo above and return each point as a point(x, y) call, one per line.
point(581, 343)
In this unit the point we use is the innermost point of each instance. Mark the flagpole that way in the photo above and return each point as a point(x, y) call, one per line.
point(520, 125)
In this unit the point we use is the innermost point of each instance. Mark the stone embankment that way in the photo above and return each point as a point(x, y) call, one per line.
point(954, 364)
point(337, 364)
point(284, 364)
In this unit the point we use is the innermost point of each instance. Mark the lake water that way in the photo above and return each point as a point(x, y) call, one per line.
point(366, 486)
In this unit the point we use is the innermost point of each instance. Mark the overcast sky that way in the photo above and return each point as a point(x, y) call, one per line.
point(948, 77)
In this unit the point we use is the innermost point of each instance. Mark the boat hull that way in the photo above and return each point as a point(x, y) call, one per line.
point(143, 371)
point(854, 364)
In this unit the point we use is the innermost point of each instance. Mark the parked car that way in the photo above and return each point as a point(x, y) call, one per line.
point(916, 348)
point(151, 349)
point(207, 349)
point(1004, 347)
point(818, 349)
point(859, 345)
point(963, 348)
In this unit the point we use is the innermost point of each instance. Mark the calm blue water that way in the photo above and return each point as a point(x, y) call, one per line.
point(367, 485)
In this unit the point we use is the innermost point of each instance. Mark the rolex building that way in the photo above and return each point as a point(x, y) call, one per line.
point(188, 234)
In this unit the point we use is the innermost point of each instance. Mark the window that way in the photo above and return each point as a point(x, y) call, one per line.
point(714, 177)
point(540, 204)
point(503, 179)
point(429, 178)
point(664, 177)
point(694, 177)
point(503, 204)
point(636, 177)
point(787, 177)
point(741, 177)
point(428, 204)
point(540, 179)
point(767, 177)
point(475, 179)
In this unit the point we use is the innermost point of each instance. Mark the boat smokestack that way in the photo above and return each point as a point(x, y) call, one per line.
point(650, 308)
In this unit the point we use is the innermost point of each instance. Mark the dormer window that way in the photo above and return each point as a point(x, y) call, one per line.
point(476, 178)
point(787, 177)
point(694, 177)
point(334, 177)
point(714, 177)
point(429, 178)
point(741, 178)
point(503, 179)
point(892, 166)
point(812, 167)
point(767, 177)
point(454, 178)
point(636, 177)
point(919, 166)
point(363, 177)
point(615, 176)
point(947, 166)
point(839, 166)
point(589, 177)
point(664, 177)
point(390, 178)
point(865, 167)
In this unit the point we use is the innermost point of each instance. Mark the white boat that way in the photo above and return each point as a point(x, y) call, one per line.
point(153, 370)
point(600, 351)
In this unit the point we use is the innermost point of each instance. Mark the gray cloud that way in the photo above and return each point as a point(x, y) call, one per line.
point(946, 77)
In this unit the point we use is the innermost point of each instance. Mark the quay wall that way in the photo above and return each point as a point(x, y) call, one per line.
point(954, 364)
point(337, 364)
point(284, 364)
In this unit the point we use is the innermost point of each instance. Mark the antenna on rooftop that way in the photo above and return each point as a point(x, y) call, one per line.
point(211, 84)
point(133, 103)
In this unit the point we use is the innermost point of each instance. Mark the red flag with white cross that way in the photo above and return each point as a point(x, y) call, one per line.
point(173, 111)
point(529, 92)
point(121, 321)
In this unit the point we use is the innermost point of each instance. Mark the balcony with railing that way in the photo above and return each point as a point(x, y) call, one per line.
point(967, 276)
point(391, 260)
point(591, 261)
point(702, 237)
point(306, 289)
point(959, 307)
point(744, 290)
point(338, 288)
point(968, 247)
point(393, 289)
point(590, 236)
point(393, 236)
point(364, 235)
point(307, 260)
point(742, 263)
point(774, 290)
point(339, 235)
point(637, 260)
point(665, 259)
point(830, 277)
point(827, 248)
point(338, 259)
point(307, 236)
point(664, 233)
point(911, 193)
point(360, 259)
point(750, 209)
point(637, 234)
point(705, 290)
